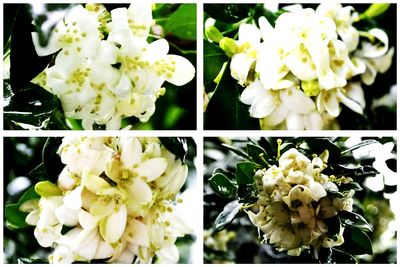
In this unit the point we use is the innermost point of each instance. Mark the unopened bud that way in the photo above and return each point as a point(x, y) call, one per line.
point(47, 189)
point(229, 46)
point(213, 34)
point(310, 88)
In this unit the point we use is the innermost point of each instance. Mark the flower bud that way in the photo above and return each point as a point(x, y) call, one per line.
point(213, 34)
point(311, 88)
point(229, 46)
point(47, 189)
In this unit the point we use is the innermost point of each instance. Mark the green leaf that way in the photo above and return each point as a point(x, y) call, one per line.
point(356, 242)
point(176, 145)
point(31, 105)
point(182, 22)
point(245, 173)
point(51, 160)
point(227, 215)
point(375, 10)
point(236, 151)
point(333, 226)
point(30, 261)
point(223, 186)
point(361, 144)
point(332, 193)
point(25, 64)
point(228, 13)
point(214, 59)
point(354, 220)
point(350, 186)
point(15, 218)
point(357, 173)
point(225, 111)
point(257, 154)
point(339, 256)
point(39, 172)
point(46, 17)
point(319, 145)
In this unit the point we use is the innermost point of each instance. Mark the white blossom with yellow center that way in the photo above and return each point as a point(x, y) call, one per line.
point(118, 196)
point(101, 80)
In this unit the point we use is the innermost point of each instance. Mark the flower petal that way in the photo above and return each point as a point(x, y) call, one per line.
point(184, 70)
point(140, 192)
point(136, 233)
point(112, 227)
point(168, 254)
point(295, 100)
point(263, 105)
point(131, 152)
point(152, 169)
point(252, 92)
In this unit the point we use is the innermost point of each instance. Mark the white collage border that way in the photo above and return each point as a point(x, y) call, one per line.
point(199, 134)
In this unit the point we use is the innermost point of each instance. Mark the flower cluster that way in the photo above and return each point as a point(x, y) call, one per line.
point(106, 69)
point(293, 203)
point(114, 200)
point(299, 72)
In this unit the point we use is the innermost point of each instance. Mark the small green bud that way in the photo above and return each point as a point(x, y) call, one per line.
point(375, 10)
point(229, 46)
point(310, 88)
point(47, 189)
point(213, 34)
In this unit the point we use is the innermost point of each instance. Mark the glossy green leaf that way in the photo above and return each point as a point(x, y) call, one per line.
point(25, 63)
point(182, 22)
point(51, 160)
point(30, 261)
point(225, 111)
point(319, 145)
point(357, 173)
point(32, 105)
point(176, 145)
point(228, 13)
point(354, 220)
point(356, 242)
point(236, 151)
point(258, 154)
point(333, 226)
point(245, 173)
point(339, 256)
point(350, 186)
point(16, 218)
point(223, 186)
point(214, 59)
point(227, 215)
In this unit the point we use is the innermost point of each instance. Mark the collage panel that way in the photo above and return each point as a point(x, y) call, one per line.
point(300, 200)
point(325, 66)
point(100, 66)
point(100, 200)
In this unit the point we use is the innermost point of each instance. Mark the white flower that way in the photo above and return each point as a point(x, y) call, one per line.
point(117, 195)
point(101, 80)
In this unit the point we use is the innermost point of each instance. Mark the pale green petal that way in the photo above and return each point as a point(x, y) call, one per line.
point(94, 183)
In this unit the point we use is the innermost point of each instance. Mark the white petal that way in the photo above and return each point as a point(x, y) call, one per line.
point(383, 63)
point(33, 217)
point(104, 250)
point(140, 192)
point(66, 181)
point(314, 121)
point(252, 92)
point(266, 29)
point(73, 199)
point(263, 105)
point(107, 53)
point(372, 51)
point(276, 117)
point(152, 169)
point(126, 257)
point(331, 103)
point(300, 64)
point(184, 70)
point(317, 191)
point(240, 67)
point(295, 100)
point(44, 236)
point(86, 220)
point(168, 254)
point(176, 182)
point(355, 92)
point(85, 244)
point(136, 233)
point(351, 104)
point(350, 36)
point(155, 51)
point(119, 17)
point(66, 216)
point(113, 226)
point(368, 77)
point(294, 121)
point(131, 152)
point(249, 33)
